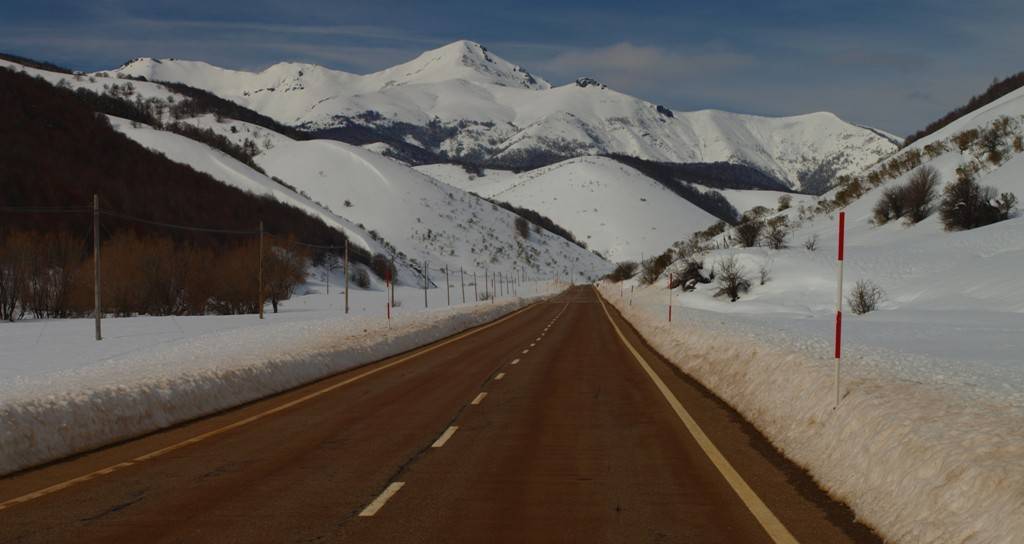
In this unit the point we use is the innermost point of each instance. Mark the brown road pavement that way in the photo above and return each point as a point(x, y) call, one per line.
point(573, 442)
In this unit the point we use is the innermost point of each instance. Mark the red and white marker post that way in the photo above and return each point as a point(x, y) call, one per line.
point(669, 297)
point(387, 295)
point(839, 300)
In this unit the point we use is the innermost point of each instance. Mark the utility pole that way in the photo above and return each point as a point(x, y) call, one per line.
point(96, 262)
point(462, 280)
point(346, 276)
point(447, 285)
point(261, 271)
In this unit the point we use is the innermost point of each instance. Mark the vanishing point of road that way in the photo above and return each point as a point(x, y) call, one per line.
point(556, 423)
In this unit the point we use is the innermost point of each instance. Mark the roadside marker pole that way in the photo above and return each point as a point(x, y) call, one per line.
point(426, 271)
point(669, 297)
point(462, 281)
point(839, 302)
point(476, 291)
point(346, 276)
point(387, 298)
point(392, 273)
point(447, 285)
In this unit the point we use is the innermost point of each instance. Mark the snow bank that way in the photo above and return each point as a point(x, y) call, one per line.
point(62, 414)
point(919, 462)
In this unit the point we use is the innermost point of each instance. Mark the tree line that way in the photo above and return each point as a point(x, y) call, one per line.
point(50, 275)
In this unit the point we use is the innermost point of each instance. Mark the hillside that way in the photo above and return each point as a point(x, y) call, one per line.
point(96, 159)
point(462, 101)
point(614, 209)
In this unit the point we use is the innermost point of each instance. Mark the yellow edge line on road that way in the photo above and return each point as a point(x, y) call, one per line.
point(771, 524)
point(251, 419)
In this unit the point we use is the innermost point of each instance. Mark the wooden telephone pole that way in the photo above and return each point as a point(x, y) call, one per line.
point(96, 262)
point(261, 271)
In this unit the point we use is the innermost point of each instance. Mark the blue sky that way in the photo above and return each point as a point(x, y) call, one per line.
point(892, 65)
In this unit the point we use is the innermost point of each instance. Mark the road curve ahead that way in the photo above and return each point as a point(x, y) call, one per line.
point(554, 424)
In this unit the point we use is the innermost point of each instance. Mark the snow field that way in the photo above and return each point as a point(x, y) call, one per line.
point(918, 461)
point(90, 404)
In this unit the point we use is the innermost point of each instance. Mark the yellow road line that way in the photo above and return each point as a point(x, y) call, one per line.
point(445, 436)
point(378, 503)
point(241, 423)
point(771, 524)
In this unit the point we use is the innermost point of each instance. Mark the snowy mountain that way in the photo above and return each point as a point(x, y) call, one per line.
point(463, 102)
point(381, 204)
point(615, 209)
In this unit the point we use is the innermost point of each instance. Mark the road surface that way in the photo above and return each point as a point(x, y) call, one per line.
point(550, 425)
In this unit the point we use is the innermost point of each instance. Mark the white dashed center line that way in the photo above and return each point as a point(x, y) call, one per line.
point(479, 398)
point(514, 362)
point(499, 376)
point(445, 436)
point(379, 502)
point(525, 351)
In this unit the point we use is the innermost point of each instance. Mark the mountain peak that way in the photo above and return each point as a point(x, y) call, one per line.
point(462, 59)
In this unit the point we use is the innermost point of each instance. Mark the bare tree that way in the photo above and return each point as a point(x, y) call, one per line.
point(731, 278)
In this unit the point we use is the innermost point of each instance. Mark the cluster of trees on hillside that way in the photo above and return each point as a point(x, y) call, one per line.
point(56, 152)
point(50, 275)
point(995, 91)
point(540, 220)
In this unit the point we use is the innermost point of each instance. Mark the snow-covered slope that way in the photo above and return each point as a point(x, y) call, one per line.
point(615, 209)
point(380, 202)
point(423, 218)
point(464, 101)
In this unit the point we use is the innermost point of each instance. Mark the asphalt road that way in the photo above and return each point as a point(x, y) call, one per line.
point(550, 425)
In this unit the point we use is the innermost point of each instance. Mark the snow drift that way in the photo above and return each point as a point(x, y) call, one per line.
point(67, 413)
point(919, 462)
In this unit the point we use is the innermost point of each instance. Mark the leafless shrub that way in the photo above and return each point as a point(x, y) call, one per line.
point(623, 271)
point(731, 278)
point(811, 244)
point(920, 192)
point(777, 233)
point(749, 232)
point(764, 271)
point(865, 297)
point(785, 201)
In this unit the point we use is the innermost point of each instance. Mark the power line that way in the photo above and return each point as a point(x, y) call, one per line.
point(44, 209)
point(178, 226)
